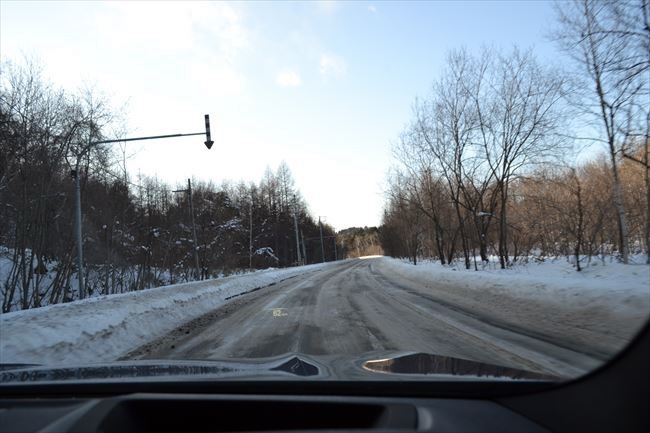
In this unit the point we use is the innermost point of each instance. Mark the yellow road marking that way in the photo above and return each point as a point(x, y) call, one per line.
point(280, 312)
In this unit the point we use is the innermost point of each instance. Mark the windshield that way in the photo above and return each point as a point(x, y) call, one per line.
point(346, 190)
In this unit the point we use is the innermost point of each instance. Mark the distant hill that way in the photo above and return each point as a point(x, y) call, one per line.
point(360, 241)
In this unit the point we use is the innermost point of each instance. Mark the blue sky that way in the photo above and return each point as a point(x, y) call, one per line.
point(324, 86)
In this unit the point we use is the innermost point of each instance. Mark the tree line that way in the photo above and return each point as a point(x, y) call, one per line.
point(138, 233)
point(489, 163)
point(360, 241)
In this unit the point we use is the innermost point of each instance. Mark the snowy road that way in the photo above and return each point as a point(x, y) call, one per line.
point(360, 306)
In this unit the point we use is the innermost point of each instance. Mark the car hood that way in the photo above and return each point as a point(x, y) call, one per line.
point(369, 366)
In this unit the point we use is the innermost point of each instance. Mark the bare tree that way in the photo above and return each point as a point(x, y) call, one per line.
point(444, 126)
point(487, 120)
point(519, 113)
point(403, 220)
point(610, 42)
point(640, 157)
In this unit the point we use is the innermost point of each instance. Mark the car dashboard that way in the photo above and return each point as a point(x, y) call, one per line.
point(155, 412)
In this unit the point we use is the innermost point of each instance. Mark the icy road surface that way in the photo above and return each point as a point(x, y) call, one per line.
point(358, 306)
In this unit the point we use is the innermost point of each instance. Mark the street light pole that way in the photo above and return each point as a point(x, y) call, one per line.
point(75, 173)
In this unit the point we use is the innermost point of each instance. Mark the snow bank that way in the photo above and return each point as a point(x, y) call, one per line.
point(104, 328)
point(601, 307)
point(625, 288)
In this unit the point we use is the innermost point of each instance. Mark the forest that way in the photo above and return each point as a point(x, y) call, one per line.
point(505, 157)
point(137, 233)
point(512, 158)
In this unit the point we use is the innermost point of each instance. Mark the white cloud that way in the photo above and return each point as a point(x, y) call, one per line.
point(216, 79)
point(221, 26)
point(288, 78)
point(152, 25)
point(172, 26)
point(202, 41)
point(372, 9)
point(328, 6)
point(332, 65)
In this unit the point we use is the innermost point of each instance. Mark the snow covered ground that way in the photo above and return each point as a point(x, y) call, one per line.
point(604, 305)
point(123, 279)
point(606, 300)
point(625, 288)
point(103, 328)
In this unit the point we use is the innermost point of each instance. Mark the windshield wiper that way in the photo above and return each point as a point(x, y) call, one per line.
point(14, 366)
point(293, 365)
point(429, 364)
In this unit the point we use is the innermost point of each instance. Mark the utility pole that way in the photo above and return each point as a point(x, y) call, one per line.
point(78, 233)
point(250, 236)
point(321, 237)
point(196, 242)
point(322, 247)
point(194, 239)
point(295, 224)
point(304, 250)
